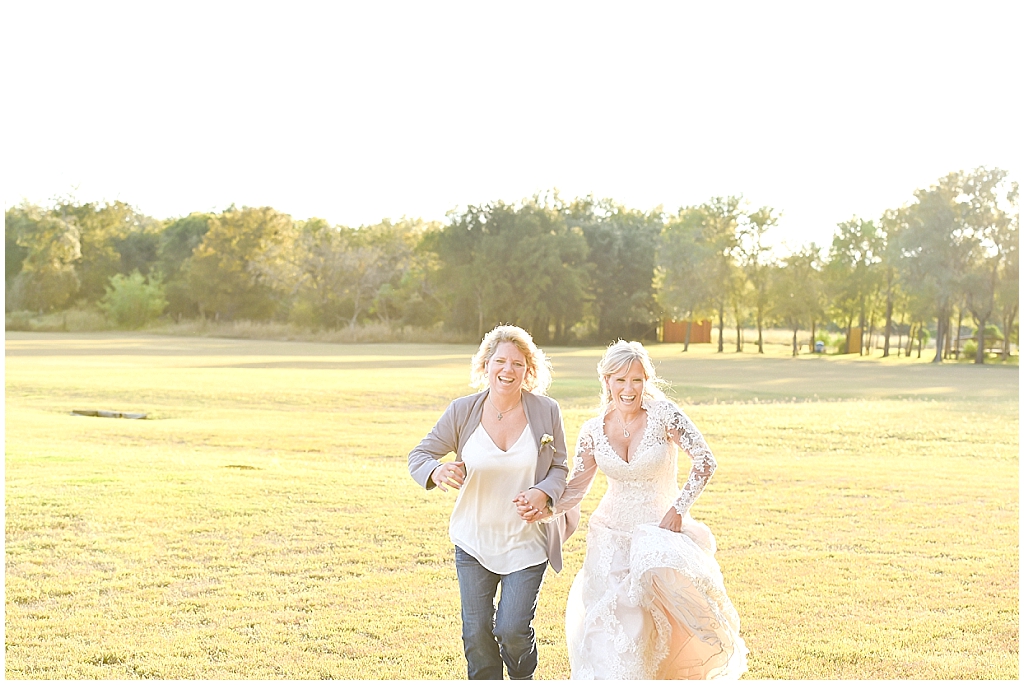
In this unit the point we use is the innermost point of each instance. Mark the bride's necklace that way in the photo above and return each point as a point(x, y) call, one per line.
point(501, 414)
point(625, 433)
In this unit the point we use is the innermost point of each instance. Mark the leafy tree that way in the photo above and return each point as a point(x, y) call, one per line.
point(754, 259)
point(995, 230)
point(856, 252)
point(133, 301)
point(917, 309)
point(684, 261)
point(795, 291)
point(621, 248)
point(937, 247)
point(114, 238)
point(893, 222)
point(513, 263)
point(407, 293)
point(50, 242)
point(335, 275)
point(222, 275)
point(842, 296)
point(177, 242)
point(1008, 292)
point(739, 292)
point(374, 260)
point(720, 218)
point(16, 221)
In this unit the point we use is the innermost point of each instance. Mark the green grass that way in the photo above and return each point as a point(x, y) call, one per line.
point(262, 523)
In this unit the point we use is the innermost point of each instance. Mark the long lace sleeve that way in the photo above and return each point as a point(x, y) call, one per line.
point(682, 432)
point(584, 468)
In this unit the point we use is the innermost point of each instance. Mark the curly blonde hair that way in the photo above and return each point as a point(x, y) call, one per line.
point(618, 357)
point(538, 366)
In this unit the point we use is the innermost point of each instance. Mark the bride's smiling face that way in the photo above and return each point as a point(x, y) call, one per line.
point(626, 386)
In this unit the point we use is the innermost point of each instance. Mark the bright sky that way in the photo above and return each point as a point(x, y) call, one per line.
point(358, 111)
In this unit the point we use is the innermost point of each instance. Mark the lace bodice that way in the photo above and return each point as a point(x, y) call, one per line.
point(642, 489)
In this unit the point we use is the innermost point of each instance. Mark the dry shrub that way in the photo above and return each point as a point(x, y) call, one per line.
point(78, 320)
point(269, 330)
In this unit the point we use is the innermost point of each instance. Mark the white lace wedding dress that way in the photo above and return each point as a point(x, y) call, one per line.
point(648, 603)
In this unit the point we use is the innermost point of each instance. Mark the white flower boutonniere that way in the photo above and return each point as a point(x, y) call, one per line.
point(546, 440)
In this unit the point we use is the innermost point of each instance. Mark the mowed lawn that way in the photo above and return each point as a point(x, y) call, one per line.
point(262, 523)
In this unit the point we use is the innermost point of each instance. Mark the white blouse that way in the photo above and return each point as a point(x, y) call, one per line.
point(484, 521)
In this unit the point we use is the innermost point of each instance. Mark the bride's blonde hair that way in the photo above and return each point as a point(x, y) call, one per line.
point(618, 357)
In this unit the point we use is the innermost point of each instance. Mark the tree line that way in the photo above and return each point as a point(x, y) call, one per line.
point(584, 270)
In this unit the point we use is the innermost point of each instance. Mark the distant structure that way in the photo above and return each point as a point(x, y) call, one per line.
point(855, 341)
point(675, 331)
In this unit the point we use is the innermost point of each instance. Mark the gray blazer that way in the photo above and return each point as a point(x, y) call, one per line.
point(453, 430)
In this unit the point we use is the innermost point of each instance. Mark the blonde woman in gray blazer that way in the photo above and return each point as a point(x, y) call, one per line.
point(510, 465)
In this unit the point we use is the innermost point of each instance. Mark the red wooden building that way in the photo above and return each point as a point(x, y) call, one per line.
point(675, 331)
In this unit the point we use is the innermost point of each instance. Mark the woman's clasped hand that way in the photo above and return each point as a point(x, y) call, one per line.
point(532, 506)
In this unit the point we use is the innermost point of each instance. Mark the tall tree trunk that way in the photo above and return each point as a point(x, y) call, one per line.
point(849, 332)
point(812, 335)
point(689, 327)
point(920, 342)
point(739, 334)
point(949, 335)
point(960, 325)
point(862, 321)
point(888, 314)
point(910, 340)
point(1007, 327)
point(979, 358)
point(721, 328)
point(760, 338)
point(479, 315)
point(940, 323)
point(899, 343)
point(795, 350)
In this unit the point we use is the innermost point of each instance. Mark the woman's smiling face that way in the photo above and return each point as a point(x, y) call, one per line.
point(626, 387)
point(506, 369)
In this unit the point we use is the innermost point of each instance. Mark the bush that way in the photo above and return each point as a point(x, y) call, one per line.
point(265, 330)
point(133, 301)
point(19, 321)
point(992, 334)
point(42, 290)
point(84, 318)
point(79, 318)
point(970, 349)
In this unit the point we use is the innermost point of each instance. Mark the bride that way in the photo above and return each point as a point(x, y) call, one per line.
point(649, 602)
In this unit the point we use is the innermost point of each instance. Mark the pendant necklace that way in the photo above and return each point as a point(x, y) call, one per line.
point(625, 433)
point(501, 414)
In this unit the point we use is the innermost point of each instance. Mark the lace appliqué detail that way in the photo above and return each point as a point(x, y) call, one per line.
point(682, 432)
point(585, 443)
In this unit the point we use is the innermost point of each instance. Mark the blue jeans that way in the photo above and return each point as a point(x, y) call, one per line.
point(508, 638)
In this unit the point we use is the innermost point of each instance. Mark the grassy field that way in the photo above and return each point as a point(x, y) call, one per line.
point(262, 523)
